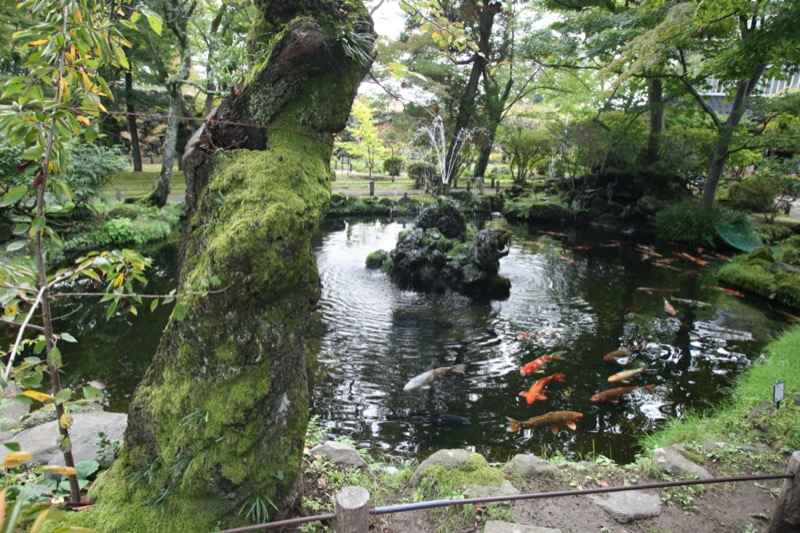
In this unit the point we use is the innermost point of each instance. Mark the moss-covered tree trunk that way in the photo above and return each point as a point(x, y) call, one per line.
point(217, 426)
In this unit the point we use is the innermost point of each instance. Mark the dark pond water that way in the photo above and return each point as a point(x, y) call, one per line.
point(373, 338)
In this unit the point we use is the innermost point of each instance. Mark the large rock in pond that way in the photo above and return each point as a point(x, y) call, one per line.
point(442, 253)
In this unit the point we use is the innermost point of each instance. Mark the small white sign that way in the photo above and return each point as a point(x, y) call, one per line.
point(777, 393)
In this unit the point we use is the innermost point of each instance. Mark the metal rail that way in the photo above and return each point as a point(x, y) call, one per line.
point(493, 499)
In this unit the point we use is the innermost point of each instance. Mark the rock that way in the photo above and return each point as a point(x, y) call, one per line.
point(377, 258)
point(671, 459)
point(42, 440)
point(11, 411)
point(445, 216)
point(650, 205)
point(711, 445)
point(629, 505)
point(529, 465)
point(447, 459)
point(498, 526)
point(48, 414)
point(490, 491)
point(340, 454)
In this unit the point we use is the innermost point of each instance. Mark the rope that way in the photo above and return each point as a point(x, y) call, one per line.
point(493, 499)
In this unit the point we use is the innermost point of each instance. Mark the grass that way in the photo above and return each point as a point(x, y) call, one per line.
point(731, 421)
point(133, 184)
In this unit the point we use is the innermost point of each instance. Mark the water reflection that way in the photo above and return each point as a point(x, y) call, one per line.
point(373, 338)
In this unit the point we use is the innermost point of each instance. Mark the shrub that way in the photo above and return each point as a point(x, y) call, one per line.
point(393, 165)
point(688, 223)
point(421, 172)
point(756, 193)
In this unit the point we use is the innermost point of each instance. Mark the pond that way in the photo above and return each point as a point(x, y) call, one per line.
point(579, 294)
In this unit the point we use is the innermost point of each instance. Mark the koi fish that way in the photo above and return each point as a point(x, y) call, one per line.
point(666, 260)
point(613, 395)
point(582, 248)
point(548, 332)
point(693, 303)
point(622, 352)
point(653, 290)
point(670, 267)
point(669, 308)
point(524, 335)
point(583, 276)
point(552, 420)
point(568, 260)
point(723, 289)
point(537, 365)
point(789, 317)
point(691, 273)
point(693, 259)
point(611, 245)
point(649, 250)
point(555, 233)
point(723, 257)
point(630, 309)
point(678, 244)
point(428, 377)
point(626, 375)
point(535, 393)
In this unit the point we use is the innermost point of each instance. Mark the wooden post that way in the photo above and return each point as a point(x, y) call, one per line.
point(786, 517)
point(352, 510)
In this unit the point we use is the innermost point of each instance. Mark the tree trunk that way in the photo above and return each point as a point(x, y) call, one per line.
point(655, 101)
point(136, 152)
point(725, 136)
point(217, 426)
point(466, 105)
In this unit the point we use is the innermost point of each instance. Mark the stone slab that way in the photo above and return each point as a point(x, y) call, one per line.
point(498, 526)
point(629, 506)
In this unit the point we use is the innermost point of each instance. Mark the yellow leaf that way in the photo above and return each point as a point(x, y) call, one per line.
point(62, 90)
point(15, 459)
point(39, 522)
point(118, 282)
point(60, 470)
point(38, 396)
point(78, 16)
point(37, 42)
point(65, 421)
point(11, 310)
point(134, 311)
point(87, 83)
point(102, 108)
point(83, 120)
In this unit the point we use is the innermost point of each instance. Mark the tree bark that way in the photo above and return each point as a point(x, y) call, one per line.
point(136, 152)
point(217, 425)
point(655, 101)
point(725, 136)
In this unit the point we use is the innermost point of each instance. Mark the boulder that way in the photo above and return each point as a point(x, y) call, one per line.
point(671, 459)
point(340, 454)
point(529, 465)
point(42, 440)
point(629, 505)
point(12, 410)
point(447, 459)
point(650, 205)
point(491, 491)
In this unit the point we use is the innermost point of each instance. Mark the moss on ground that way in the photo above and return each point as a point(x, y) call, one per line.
point(773, 275)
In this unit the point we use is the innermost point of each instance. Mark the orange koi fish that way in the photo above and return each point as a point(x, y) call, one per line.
point(613, 395)
point(670, 267)
point(723, 289)
point(537, 366)
point(582, 248)
point(555, 233)
point(611, 245)
point(649, 250)
point(524, 335)
point(669, 308)
point(666, 260)
point(622, 352)
point(693, 259)
point(535, 393)
point(583, 276)
point(568, 260)
point(552, 420)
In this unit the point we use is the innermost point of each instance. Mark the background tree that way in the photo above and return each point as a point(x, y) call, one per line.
point(367, 142)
